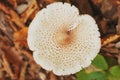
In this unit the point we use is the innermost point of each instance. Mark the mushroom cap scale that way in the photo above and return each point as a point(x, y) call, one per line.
point(62, 40)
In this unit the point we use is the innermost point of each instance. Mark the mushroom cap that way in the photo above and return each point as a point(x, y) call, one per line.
point(63, 41)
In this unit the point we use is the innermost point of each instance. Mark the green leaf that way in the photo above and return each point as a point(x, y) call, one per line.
point(100, 62)
point(111, 77)
point(115, 71)
point(111, 61)
point(99, 75)
point(82, 75)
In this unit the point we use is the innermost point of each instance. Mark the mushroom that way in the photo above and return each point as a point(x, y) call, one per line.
point(63, 41)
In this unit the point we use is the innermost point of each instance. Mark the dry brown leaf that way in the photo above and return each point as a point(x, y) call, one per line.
point(103, 26)
point(110, 39)
point(3, 8)
point(52, 76)
point(12, 25)
point(118, 15)
point(114, 51)
point(12, 56)
point(21, 36)
point(106, 6)
point(1, 74)
point(28, 55)
point(13, 2)
point(50, 1)
point(97, 1)
point(34, 68)
point(83, 6)
point(14, 17)
point(115, 2)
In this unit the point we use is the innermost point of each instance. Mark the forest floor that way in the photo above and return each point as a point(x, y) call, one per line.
point(16, 60)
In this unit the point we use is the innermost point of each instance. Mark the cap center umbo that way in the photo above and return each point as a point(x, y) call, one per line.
point(64, 37)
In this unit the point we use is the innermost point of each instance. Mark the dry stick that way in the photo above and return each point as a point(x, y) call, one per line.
point(3, 8)
point(1, 71)
point(7, 66)
point(31, 9)
point(28, 55)
point(12, 56)
point(0, 64)
point(16, 19)
point(12, 16)
point(110, 39)
point(11, 25)
point(4, 27)
point(1, 68)
point(6, 11)
point(1, 52)
point(42, 76)
point(23, 70)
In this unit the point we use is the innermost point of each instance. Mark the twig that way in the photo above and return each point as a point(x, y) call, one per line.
point(42, 76)
point(110, 39)
point(3, 8)
point(23, 70)
point(32, 8)
point(28, 55)
point(12, 16)
point(7, 66)
point(15, 19)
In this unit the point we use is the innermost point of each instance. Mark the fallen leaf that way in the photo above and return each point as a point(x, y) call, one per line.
point(83, 6)
point(13, 2)
point(21, 36)
point(97, 1)
point(109, 39)
point(52, 76)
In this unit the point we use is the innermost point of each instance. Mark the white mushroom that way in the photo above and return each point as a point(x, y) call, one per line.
point(62, 40)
